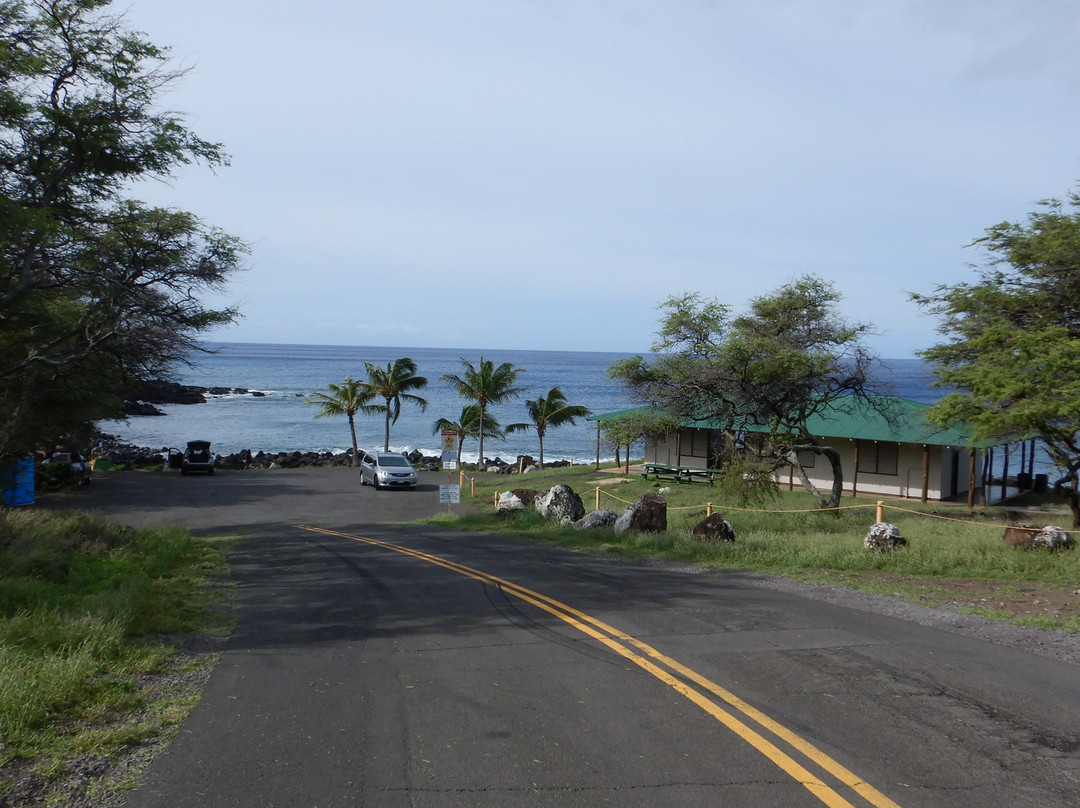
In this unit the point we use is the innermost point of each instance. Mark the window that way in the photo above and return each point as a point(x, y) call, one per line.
point(878, 458)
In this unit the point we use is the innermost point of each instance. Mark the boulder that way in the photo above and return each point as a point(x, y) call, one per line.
point(140, 408)
point(164, 392)
point(1020, 536)
point(1053, 537)
point(884, 537)
point(647, 515)
point(713, 528)
point(560, 504)
point(596, 519)
point(1050, 537)
point(516, 500)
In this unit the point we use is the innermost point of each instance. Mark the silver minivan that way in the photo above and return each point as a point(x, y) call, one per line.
point(387, 470)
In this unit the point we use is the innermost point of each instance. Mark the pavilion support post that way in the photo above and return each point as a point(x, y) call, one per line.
point(1005, 474)
point(971, 478)
point(925, 473)
point(855, 473)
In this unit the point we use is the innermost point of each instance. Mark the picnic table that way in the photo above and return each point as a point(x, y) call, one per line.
point(680, 474)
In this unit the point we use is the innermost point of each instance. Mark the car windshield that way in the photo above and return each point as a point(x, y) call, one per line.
point(393, 460)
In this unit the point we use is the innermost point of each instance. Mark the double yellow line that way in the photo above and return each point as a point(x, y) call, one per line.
point(706, 694)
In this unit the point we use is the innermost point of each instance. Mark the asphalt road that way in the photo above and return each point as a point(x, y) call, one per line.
point(379, 664)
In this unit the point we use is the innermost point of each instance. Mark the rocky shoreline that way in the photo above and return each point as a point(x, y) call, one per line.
point(111, 453)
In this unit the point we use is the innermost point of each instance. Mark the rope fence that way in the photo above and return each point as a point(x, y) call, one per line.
point(879, 508)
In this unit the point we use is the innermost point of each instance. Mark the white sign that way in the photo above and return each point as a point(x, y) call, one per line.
point(449, 461)
point(449, 494)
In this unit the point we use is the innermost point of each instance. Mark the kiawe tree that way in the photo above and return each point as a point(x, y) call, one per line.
point(393, 384)
point(348, 398)
point(1011, 354)
point(790, 357)
point(98, 292)
point(549, 412)
point(486, 384)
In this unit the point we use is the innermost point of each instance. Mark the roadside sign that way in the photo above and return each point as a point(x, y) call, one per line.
point(449, 494)
point(449, 461)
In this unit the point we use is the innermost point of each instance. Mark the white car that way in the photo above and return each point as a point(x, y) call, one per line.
point(387, 470)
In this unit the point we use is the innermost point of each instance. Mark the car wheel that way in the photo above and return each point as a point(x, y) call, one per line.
point(211, 472)
point(183, 472)
point(375, 482)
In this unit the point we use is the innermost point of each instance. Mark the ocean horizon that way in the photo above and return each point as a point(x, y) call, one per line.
point(278, 420)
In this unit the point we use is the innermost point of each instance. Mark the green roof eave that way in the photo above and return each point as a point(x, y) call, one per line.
point(876, 418)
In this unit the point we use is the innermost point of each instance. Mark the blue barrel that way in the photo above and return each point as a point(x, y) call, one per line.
point(17, 483)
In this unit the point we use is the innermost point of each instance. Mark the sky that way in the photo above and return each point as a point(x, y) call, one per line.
point(541, 174)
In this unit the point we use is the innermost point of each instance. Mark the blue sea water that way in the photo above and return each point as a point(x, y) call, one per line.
point(281, 421)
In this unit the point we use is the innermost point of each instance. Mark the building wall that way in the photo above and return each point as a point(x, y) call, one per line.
point(947, 475)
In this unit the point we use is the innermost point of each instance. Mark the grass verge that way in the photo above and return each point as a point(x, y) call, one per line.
point(954, 558)
point(91, 616)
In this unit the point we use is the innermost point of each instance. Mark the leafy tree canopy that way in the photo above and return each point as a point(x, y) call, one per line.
point(97, 291)
point(1011, 348)
point(790, 356)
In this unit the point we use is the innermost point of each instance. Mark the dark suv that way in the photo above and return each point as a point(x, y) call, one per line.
point(198, 457)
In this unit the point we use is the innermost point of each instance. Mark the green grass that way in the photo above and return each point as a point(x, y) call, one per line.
point(788, 536)
point(87, 607)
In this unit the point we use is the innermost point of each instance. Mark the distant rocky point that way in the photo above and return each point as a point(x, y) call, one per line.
point(143, 401)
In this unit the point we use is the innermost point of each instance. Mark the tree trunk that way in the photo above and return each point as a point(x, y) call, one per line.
point(480, 462)
point(1074, 504)
point(355, 448)
point(386, 442)
point(541, 434)
point(792, 458)
point(833, 457)
point(837, 475)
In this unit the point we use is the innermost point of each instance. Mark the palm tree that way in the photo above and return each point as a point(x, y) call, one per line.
point(347, 398)
point(485, 385)
point(393, 384)
point(468, 426)
point(549, 411)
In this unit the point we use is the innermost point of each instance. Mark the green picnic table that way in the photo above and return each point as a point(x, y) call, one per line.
point(680, 474)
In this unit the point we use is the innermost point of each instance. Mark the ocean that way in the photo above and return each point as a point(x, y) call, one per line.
point(279, 420)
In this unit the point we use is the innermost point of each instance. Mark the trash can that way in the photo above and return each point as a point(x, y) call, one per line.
point(17, 482)
point(1023, 481)
point(1042, 483)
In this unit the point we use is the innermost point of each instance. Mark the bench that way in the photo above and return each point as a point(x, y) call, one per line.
point(680, 474)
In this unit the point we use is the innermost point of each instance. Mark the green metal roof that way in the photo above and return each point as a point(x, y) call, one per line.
point(880, 418)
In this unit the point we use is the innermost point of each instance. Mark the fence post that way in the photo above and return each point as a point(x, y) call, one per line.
point(461, 478)
point(880, 511)
point(495, 504)
point(708, 509)
point(597, 498)
point(472, 489)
